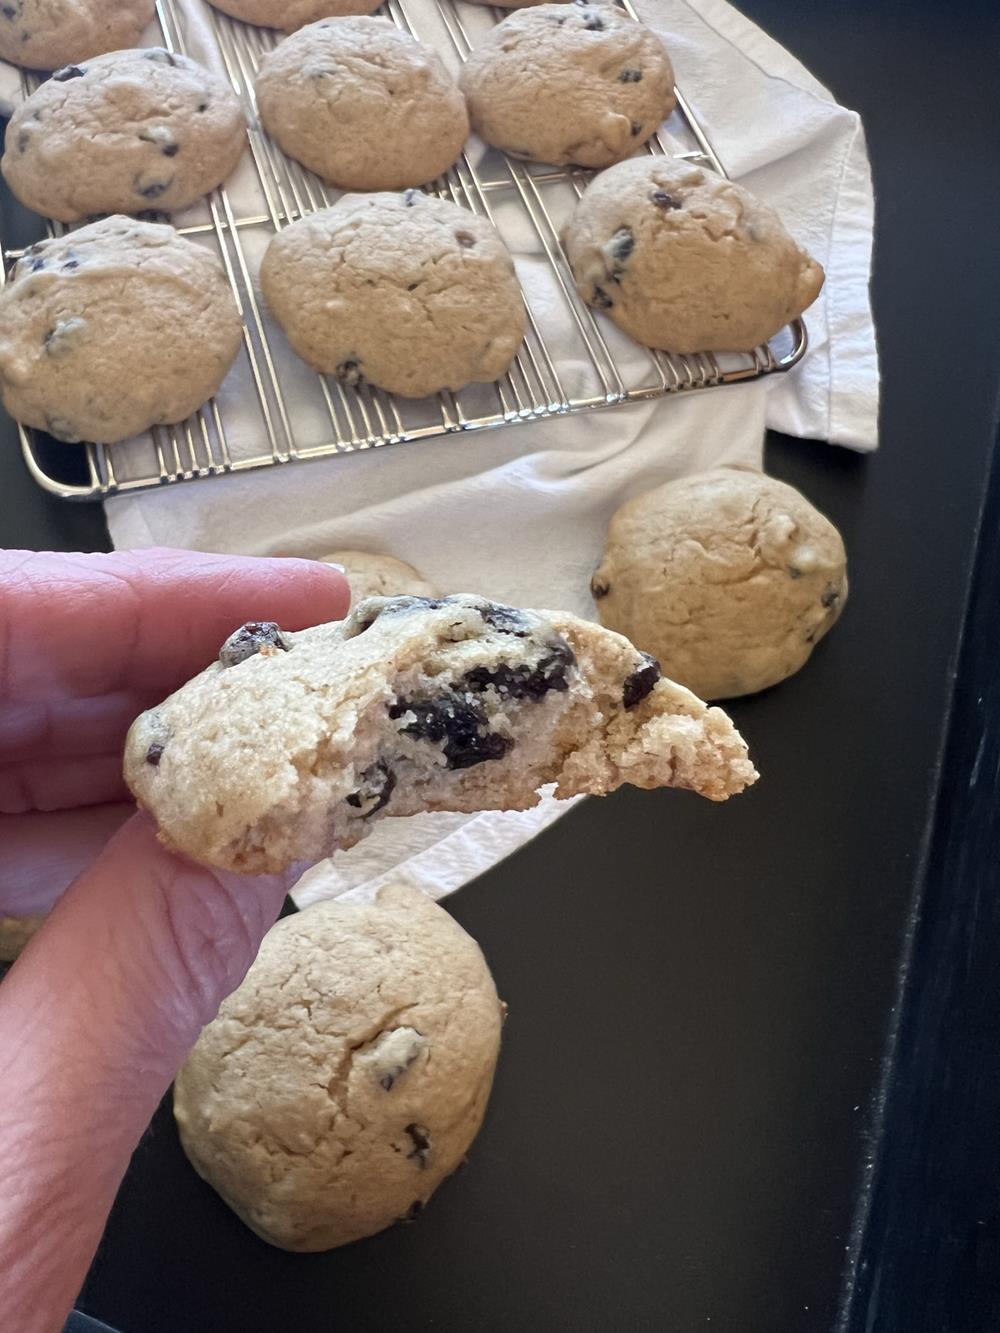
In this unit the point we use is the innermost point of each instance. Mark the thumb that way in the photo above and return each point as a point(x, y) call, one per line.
point(95, 1019)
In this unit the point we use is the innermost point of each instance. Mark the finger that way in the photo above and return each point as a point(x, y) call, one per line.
point(44, 853)
point(83, 626)
point(86, 643)
point(95, 1019)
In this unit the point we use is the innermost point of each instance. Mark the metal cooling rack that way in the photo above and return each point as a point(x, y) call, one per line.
point(604, 371)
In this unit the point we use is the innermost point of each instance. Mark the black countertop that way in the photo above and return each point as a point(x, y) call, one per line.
point(743, 1066)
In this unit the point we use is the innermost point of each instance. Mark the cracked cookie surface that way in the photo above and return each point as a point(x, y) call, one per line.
point(569, 83)
point(292, 14)
point(410, 293)
point(730, 577)
point(293, 745)
point(363, 104)
point(115, 303)
point(124, 132)
point(685, 260)
point(45, 34)
point(349, 1073)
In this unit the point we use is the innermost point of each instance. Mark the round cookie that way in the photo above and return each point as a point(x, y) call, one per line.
point(685, 260)
point(364, 105)
point(348, 1075)
point(579, 83)
point(122, 133)
point(410, 293)
point(114, 328)
point(729, 577)
point(378, 575)
point(292, 14)
point(45, 34)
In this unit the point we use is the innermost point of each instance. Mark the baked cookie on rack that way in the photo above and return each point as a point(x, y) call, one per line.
point(410, 293)
point(114, 328)
point(349, 1073)
point(569, 83)
point(293, 745)
point(38, 34)
point(730, 577)
point(374, 574)
point(685, 260)
point(363, 104)
point(133, 130)
point(292, 14)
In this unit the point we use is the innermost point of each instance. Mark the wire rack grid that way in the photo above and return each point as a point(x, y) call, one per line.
point(362, 417)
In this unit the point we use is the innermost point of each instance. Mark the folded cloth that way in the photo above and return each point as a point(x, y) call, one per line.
point(519, 514)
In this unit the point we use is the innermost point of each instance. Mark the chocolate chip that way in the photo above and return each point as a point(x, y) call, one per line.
point(524, 681)
point(601, 299)
point(465, 239)
point(636, 127)
point(641, 682)
point(376, 786)
point(410, 197)
point(22, 141)
point(154, 754)
point(622, 244)
point(152, 191)
point(58, 340)
point(599, 587)
point(630, 76)
point(831, 596)
point(202, 106)
point(170, 149)
point(66, 73)
point(367, 612)
point(506, 619)
point(152, 215)
point(69, 264)
point(594, 22)
point(161, 55)
point(794, 572)
point(250, 639)
point(664, 200)
point(349, 373)
point(461, 724)
point(421, 1140)
point(413, 1212)
point(37, 265)
point(8, 11)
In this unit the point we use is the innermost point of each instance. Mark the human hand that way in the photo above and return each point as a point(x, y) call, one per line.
point(142, 947)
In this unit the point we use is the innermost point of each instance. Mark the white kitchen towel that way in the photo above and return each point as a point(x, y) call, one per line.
point(520, 513)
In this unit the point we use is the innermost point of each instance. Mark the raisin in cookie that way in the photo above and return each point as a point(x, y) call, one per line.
point(45, 34)
point(685, 260)
point(122, 133)
point(364, 105)
point(407, 292)
point(114, 328)
point(348, 1075)
point(580, 83)
point(375, 575)
point(292, 745)
point(729, 577)
point(292, 14)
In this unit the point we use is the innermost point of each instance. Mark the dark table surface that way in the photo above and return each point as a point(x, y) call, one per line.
point(748, 1083)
